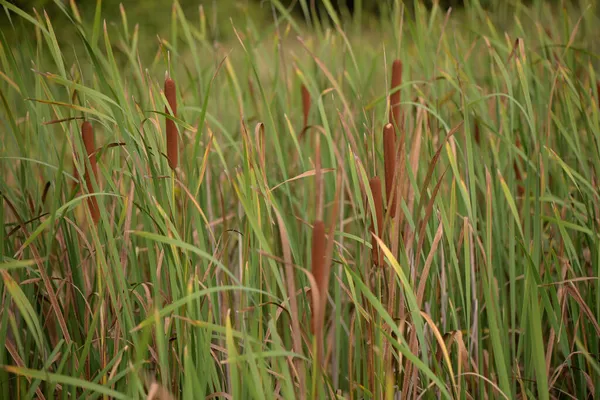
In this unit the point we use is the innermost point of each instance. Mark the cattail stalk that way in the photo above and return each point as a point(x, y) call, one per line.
point(389, 159)
point(376, 253)
point(87, 134)
point(305, 104)
point(172, 135)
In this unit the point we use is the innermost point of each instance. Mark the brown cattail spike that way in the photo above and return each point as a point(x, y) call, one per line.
point(395, 96)
point(377, 254)
point(87, 134)
point(477, 133)
point(305, 104)
point(389, 159)
point(319, 246)
point(172, 136)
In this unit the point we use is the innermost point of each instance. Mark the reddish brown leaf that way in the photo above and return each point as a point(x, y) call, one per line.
point(172, 136)
point(305, 104)
point(377, 254)
point(87, 134)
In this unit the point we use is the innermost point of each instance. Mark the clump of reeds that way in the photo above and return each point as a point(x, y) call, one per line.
point(305, 105)
point(171, 128)
point(377, 219)
point(87, 135)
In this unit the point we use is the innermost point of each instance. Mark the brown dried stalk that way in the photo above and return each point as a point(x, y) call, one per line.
point(389, 159)
point(87, 134)
point(376, 253)
point(305, 105)
point(172, 135)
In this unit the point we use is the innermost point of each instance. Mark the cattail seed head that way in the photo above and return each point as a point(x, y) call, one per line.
point(171, 128)
point(87, 135)
point(394, 117)
point(319, 271)
point(377, 254)
point(305, 104)
point(389, 159)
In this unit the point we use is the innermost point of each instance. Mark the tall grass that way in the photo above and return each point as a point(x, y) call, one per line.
point(236, 214)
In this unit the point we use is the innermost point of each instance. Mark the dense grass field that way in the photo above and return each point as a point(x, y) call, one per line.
point(391, 207)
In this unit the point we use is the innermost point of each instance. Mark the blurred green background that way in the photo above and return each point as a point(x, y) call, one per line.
point(153, 14)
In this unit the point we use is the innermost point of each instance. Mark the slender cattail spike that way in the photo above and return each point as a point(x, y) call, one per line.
point(305, 104)
point(389, 159)
point(319, 246)
point(377, 254)
point(477, 133)
point(172, 135)
point(394, 117)
point(390, 136)
point(87, 134)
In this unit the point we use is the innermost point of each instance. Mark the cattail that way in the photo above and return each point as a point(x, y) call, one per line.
point(319, 271)
point(477, 133)
point(87, 134)
point(377, 254)
point(389, 159)
point(305, 104)
point(598, 91)
point(395, 97)
point(172, 136)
